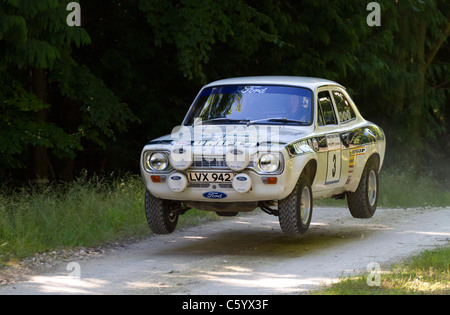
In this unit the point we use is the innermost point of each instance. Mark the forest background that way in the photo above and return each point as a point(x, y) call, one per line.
point(83, 101)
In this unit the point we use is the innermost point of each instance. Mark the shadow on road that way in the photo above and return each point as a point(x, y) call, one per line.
point(250, 238)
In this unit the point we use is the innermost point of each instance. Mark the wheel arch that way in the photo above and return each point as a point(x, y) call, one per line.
point(306, 164)
point(310, 170)
point(375, 158)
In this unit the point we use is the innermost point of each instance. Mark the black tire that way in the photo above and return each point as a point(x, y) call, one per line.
point(295, 211)
point(160, 217)
point(363, 202)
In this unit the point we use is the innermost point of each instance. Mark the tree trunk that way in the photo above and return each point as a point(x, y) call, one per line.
point(40, 160)
point(68, 170)
point(68, 117)
point(417, 103)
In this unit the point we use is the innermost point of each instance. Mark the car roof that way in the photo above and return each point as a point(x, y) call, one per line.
point(307, 82)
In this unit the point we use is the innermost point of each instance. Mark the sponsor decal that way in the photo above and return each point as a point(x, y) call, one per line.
point(315, 144)
point(351, 161)
point(202, 136)
point(181, 143)
point(358, 151)
point(345, 115)
point(302, 147)
point(222, 143)
point(214, 195)
point(333, 141)
point(351, 165)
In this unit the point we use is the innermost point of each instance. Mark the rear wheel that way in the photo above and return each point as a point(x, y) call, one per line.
point(363, 202)
point(162, 215)
point(295, 211)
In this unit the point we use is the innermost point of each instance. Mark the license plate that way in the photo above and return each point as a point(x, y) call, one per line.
point(210, 177)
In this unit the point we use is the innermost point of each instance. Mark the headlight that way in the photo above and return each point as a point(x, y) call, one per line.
point(155, 161)
point(269, 163)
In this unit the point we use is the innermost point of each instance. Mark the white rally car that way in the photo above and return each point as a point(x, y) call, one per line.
point(273, 143)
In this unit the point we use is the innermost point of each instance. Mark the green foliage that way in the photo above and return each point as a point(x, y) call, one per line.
point(148, 58)
point(404, 71)
point(19, 127)
point(35, 32)
point(35, 35)
point(101, 112)
point(194, 27)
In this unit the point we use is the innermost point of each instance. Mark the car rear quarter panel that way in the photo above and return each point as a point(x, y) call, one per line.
point(361, 144)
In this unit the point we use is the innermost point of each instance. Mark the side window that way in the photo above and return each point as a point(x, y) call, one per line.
point(326, 108)
point(345, 111)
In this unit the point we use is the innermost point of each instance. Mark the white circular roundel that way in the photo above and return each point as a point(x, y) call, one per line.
point(242, 183)
point(237, 158)
point(181, 157)
point(177, 182)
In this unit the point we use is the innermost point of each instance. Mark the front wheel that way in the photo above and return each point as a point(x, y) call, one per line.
point(363, 202)
point(295, 211)
point(161, 214)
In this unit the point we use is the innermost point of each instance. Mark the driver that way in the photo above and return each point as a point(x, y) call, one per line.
point(300, 108)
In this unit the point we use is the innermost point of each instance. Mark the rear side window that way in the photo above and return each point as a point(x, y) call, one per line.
point(345, 110)
point(326, 109)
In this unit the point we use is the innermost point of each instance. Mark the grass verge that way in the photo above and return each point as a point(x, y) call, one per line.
point(85, 213)
point(405, 189)
point(427, 273)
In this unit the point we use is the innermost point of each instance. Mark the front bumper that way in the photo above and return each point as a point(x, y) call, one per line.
point(263, 187)
point(218, 192)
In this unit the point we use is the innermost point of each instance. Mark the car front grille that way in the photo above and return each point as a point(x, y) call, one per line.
point(209, 162)
point(214, 162)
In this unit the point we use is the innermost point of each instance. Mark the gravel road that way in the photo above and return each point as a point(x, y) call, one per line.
point(248, 255)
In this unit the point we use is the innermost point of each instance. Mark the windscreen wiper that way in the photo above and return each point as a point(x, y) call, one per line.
point(279, 119)
point(285, 120)
point(226, 120)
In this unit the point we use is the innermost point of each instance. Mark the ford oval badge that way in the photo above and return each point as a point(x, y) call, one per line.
point(214, 195)
point(175, 177)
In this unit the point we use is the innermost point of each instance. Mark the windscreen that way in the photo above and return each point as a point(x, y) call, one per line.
point(252, 103)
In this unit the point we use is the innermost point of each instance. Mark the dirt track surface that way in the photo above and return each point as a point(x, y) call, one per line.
point(250, 255)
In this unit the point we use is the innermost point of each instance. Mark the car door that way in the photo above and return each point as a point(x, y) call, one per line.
point(347, 117)
point(328, 137)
